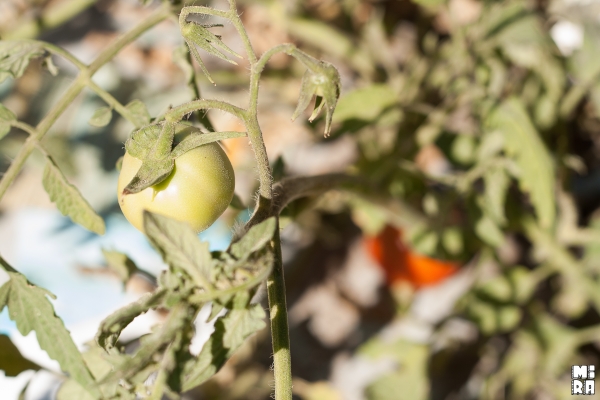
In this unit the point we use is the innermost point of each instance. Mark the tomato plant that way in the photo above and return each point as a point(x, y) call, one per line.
point(197, 191)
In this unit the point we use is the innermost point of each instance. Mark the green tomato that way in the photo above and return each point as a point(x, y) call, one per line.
point(198, 190)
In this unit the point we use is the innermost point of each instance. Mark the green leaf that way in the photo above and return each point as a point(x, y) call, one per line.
point(141, 141)
point(365, 104)
point(111, 327)
point(6, 116)
point(194, 140)
point(241, 323)
point(584, 64)
point(119, 263)
point(11, 360)
point(152, 172)
point(30, 308)
point(332, 41)
point(68, 199)
point(15, 56)
point(255, 239)
point(101, 117)
point(139, 111)
point(179, 246)
point(496, 182)
point(488, 231)
point(525, 146)
point(230, 332)
point(71, 390)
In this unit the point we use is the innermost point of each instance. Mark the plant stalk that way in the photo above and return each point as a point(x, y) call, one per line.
point(282, 359)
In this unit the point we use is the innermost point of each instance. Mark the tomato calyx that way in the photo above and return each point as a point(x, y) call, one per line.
point(322, 80)
point(159, 145)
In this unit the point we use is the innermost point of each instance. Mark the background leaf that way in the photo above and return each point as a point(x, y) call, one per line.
point(11, 360)
point(139, 111)
point(101, 117)
point(524, 144)
point(68, 199)
point(15, 56)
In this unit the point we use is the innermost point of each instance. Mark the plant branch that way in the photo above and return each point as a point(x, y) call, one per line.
point(113, 49)
point(73, 91)
point(23, 126)
point(239, 26)
point(61, 53)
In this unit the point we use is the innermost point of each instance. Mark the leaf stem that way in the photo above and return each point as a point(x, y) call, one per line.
point(114, 103)
point(177, 113)
point(239, 26)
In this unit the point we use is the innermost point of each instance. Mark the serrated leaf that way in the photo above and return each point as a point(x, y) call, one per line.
point(68, 199)
point(180, 247)
point(157, 165)
point(11, 360)
point(152, 172)
point(257, 237)
point(241, 323)
point(230, 332)
point(31, 310)
point(101, 117)
point(111, 327)
point(119, 263)
point(139, 111)
point(140, 141)
point(524, 144)
point(15, 56)
point(194, 140)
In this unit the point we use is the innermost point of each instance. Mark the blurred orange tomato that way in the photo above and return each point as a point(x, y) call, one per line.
point(401, 264)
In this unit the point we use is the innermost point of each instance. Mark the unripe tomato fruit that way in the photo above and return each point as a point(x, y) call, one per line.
point(198, 190)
